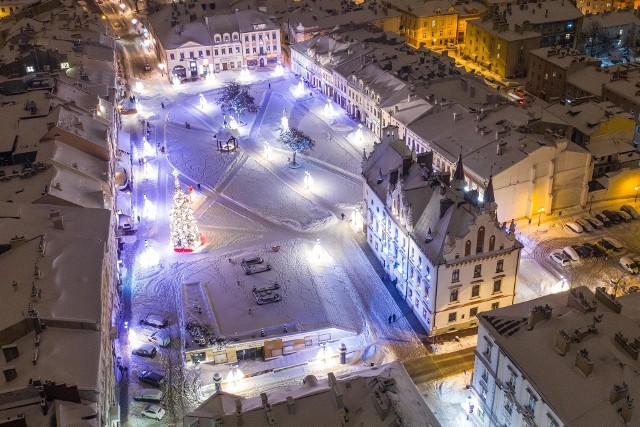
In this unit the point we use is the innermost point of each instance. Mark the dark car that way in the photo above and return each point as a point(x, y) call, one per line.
point(604, 219)
point(613, 216)
point(151, 378)
point(582, 251)
point(606, 245)
point(146, 350)
point(597, 252)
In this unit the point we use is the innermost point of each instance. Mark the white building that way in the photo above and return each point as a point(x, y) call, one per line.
point(567, 359)
point(444, 247)
point(376, 397)
point(245, 38)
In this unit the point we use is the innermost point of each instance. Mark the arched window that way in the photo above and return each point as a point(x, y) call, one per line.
point(467, 248)
point(492, 243)
point(480, 244)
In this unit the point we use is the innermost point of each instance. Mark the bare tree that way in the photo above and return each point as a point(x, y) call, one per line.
point(296, 141)
point(597, 40)
point(236, 98)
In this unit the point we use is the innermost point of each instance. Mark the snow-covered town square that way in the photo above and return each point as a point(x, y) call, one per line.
point(342, 213)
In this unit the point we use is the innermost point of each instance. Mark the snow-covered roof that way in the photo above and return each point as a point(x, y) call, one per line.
point(70, 270)
point(63, 155)
point(588, 116)
point(12, 108)
point(70, 356)
point(577, 399)
point(373, 397)
point(85, 127)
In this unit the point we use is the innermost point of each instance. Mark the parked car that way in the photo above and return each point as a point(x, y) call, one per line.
point(571, 253)
point(150, 395)
point(152, 378)
point(617, 246)
point(605, 246)
point(160, 338)
point(574, 227)
point(583, 251)
point(631, 211)
point(595, 223)
point(597, 252)
point(585, 225)
point(153, 411)
point(146, 350)
point(559, 258)
point(629, 265)
point(155, 320)
point(604, 219)
point(632, 289)
point(491, 82)
point(613, 216)
point(625, 216)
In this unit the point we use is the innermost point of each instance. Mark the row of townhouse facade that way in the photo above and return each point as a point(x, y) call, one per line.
point(244, 39)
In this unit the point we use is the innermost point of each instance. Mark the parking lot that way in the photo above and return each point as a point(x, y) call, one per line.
point(599, 265)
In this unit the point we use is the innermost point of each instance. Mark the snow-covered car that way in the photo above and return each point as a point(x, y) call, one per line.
point(582, 251)
point(574, 227)
point(605, 220)
point(160, 338)
point(153, 411)
point(595, 223)
point(571, 253)
point(631, 211)
point(152, 378)
point(632, 289)
point(625, 216)
point(617, 246)
point(629, 265)
point(597, 251)
point(150, 395)
point(585, 225)
point(559, 258)
point(155, 320)
point(605, 246)
point(613, 216)
point(146, 350)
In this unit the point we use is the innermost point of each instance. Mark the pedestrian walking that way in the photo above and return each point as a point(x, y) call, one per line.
point(138, 218)
point(342, 216)
point(269, 85)
point(390, 317)
point(198, 186)
point(249, 311)
point(162, 105)
point(393, 317)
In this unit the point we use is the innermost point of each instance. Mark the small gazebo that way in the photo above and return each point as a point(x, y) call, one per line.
point(226, 141)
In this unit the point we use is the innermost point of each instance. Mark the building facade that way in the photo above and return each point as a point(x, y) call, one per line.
point(446, 252)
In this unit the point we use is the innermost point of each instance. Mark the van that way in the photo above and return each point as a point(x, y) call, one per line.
point(629, 265)
point(571, 253)
point(516, 97)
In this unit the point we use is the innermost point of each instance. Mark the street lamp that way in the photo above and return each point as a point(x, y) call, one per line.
point(161, 66)
point(540, 215)
point(636, 198)
point(590, 202)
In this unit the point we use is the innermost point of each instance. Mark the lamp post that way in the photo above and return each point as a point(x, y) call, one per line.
point(590, 203)
point(636, 198)
point(540, 215)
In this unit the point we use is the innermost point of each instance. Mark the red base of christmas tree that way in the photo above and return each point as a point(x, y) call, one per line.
point(189, 250)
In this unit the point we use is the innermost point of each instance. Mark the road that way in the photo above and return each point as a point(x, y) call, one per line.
point(424, 370)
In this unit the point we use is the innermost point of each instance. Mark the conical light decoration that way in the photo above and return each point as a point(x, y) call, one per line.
point(185, 235)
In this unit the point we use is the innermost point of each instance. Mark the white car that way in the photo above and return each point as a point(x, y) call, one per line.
point(148, 395)
point(595, 222)
point(576, 228)
point(153, 411)
point(559, 258)
point(585, 225)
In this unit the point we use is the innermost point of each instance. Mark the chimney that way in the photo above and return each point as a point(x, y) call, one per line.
point(406, 165)
point(496, 136)
point(336, 390)
point(585, 331)
point(265, 400)
point(578, 301)
point(58, 223)
point(10, 373)
point(608, 300)
point(626, 411)
point(291, 405)
point(472, 91)
point(445, 203)
point(17, 241)
point(463, 83)
point(618, 392)
point(239, 420)
point(631, 348)
point(538, 313)
point(500, 148)
point(563, 342)
point(583, 363)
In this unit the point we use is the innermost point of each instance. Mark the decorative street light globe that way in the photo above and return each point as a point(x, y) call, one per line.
point(359, 135)
point(299, 89)
point(279, 70)
point(267, 150)
point(328, 108)
point(175, 80)
point(284, 121)
point(233, 124)
point(244, 73)
point(203, 103)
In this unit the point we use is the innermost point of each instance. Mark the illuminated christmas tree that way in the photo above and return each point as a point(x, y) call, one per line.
point(185, 235)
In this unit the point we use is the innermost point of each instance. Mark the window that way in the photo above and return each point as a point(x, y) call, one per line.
point(508, 407)
point(247, 51)
point(453, 317)
point(477, 270)
point(532, 400)
point(475, 291)
point(253, 38)
point(467, 248)
point(500, 266)
point(224, 51)
point(200, 54)
point(552, 421)
point(181, 56)
point(172, 56)
point(492, 243)
point(497, 286)
point(495, 306)
point(473, 312)
point(191, 54)
point(246, 38)
point(215, 51)
point(453, 296)
point(208, 52)
point(480, 244)
point(273, 35)
point(455, 276)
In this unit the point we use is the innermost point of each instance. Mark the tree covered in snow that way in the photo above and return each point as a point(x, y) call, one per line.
point(236, 98)
point(296, 141)
point(184, 227)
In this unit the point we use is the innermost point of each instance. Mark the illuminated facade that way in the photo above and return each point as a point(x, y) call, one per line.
point(442, 247)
